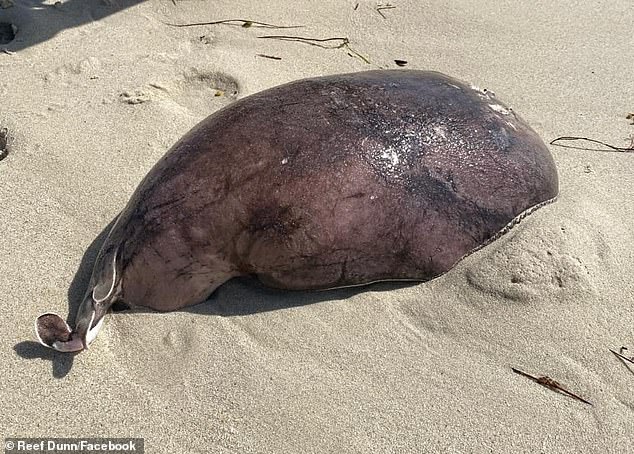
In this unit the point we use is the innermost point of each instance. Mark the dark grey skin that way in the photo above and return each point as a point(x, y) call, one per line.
point(326, 182)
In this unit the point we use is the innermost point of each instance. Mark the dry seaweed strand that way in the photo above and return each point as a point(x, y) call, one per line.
point(550, 384)
point(244, 23)
point(324, 43)
point(611, 147)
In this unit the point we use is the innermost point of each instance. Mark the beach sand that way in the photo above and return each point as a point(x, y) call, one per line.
point(94, 92)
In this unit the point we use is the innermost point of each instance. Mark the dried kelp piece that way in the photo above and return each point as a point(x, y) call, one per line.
point(551, 384)
point(598, 142)
point(324, 43)
point(244, 23)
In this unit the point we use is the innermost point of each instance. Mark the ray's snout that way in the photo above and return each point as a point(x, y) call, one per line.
point(89, 319)
point(53, 332)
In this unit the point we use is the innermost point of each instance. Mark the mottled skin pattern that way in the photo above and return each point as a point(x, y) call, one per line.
point(324, 182)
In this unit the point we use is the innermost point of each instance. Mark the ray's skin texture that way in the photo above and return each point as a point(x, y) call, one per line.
point(325, 182)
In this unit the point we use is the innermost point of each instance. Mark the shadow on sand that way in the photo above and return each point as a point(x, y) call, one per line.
point(37, 22)
point(239, 296)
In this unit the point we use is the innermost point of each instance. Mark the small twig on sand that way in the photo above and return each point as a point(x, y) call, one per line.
point(4, 137)
point(244, 23)
point(621, 356)
point(310, 41)
point(272, 57)
point(611, 147)
point(550, 384)
point(324, 43)
point(379, 9)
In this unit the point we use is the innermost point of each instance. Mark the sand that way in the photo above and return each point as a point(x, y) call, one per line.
point(93, 92)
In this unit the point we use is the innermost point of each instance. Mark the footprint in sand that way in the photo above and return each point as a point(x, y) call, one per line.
point(87, 68)
point(521, 270)
point(138, 96)
point(201, 92)
point(206, 91)
point(171, 337)
point(204, 40)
